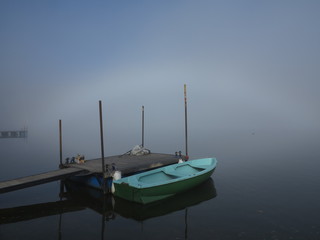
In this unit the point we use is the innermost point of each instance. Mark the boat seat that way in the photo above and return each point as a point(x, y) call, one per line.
point(170, 170)
point(174, 174)
point(133, 181)
point(199, 166)
point(188, 169)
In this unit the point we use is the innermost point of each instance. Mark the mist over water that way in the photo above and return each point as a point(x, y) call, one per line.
point(266, 186)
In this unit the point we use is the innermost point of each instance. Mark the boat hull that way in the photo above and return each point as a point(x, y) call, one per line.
point(152, 194)
point(146, 194)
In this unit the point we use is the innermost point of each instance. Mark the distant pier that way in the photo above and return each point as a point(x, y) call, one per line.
point(14, 134)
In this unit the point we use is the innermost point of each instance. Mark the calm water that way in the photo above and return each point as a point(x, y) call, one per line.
point(266, 186)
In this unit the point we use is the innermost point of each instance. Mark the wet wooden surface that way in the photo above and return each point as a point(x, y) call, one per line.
point(29, 181)
point(128, 164)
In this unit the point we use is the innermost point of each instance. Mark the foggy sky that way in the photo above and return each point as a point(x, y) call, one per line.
point(248, 65)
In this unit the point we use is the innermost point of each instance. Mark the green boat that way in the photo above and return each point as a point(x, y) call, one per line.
point(164, 182)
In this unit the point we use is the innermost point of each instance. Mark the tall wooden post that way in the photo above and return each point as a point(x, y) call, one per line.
point(102, 148)
point(60, 142)
point(142, 126)
point(186, 119)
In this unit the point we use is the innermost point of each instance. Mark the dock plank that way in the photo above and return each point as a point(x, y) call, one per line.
point(19, 183)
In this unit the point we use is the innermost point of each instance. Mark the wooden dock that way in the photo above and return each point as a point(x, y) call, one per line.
point(127, 164)
point(24, 182)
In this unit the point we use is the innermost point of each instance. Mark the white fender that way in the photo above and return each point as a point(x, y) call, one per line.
point(116, 176)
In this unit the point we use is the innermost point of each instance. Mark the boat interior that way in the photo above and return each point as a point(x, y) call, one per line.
point(170, 173)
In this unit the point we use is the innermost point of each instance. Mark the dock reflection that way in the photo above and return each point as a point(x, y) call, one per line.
point(77, 198)
point(30, 212)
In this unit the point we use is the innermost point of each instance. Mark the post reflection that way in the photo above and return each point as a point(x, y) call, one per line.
point(74, 197)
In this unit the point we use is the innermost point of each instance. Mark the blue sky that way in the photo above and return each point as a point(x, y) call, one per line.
point(248, 65)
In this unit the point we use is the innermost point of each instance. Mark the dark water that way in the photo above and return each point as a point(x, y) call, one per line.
point(266, 186)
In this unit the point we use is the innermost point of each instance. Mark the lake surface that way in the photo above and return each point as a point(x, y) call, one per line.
point(266, 186)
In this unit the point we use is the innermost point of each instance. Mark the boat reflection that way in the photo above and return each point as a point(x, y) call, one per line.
point(139, 212)
point(74, 197)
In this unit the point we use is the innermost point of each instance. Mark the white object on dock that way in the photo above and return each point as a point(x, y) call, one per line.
point(116, 176)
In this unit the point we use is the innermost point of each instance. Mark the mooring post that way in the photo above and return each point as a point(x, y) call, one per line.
point(60, 141)
point(186, 119)
point(142, 126)
point(102, 148)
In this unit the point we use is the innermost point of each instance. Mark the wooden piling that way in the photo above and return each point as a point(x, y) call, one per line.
point(142, 126)
point(60, 141)
point(186, 119)
point(102, 147)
